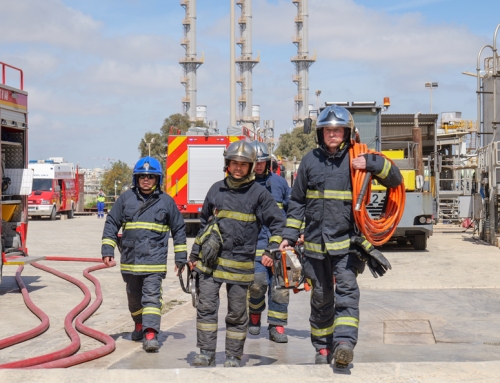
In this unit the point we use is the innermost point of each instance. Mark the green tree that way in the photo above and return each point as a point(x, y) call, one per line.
point(157, 146)
point(296, 144)
point(119, 172)
point(178, 122)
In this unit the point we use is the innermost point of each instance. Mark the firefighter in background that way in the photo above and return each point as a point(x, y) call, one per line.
point(240, 206)
point(274, 166)
point(101, 197)
point(277, 314)
point(322, 195)
point(146, 216)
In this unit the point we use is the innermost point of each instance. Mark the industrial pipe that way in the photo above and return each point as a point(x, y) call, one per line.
point(417, 140)
point(478, 90)
point(495, 83)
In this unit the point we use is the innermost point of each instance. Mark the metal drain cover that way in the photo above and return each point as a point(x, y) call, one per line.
point(409, 331)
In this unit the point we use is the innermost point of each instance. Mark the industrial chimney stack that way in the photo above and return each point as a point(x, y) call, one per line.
point(302, 61)
point(246, 63)
point(190, 63)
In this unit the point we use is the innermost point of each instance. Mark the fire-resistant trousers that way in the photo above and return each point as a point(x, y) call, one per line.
point(207, 313)
point(334, 315)
point(144, 293)
point(278, 299)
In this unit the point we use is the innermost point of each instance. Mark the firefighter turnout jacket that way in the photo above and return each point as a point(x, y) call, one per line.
point(279, 189)
point(322, 198)
point(241, 212)
point(146, 225)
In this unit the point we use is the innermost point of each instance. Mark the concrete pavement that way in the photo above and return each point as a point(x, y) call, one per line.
point(432, 318)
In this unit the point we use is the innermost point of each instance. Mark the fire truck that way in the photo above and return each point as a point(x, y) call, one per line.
point(55, 188)
point(16, 177)
point(195, 161)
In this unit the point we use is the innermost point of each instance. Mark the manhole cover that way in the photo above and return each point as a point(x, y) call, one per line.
point(408, 332)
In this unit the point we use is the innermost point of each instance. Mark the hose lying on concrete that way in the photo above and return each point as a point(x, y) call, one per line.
point(109, 343)
point(47, 360)
point(34, 332)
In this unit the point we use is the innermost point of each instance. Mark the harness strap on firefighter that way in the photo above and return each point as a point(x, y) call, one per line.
point(377, 230)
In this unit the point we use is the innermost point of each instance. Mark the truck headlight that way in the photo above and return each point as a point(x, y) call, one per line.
point(45, 202)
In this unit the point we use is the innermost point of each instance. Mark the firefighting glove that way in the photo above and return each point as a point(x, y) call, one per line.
point(210, 249)
point(375, 260)
point(180, 265)
point(193, 257)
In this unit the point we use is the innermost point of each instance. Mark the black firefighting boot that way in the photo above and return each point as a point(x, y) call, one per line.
point(277, 334)
point(323, 356)
point(150, 341)
point(137, 333)
point(205, 358)
point(254, 327)
point(232, 361)
point(344, 353)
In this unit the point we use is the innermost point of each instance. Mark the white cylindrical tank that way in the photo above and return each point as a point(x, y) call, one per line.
point(256, 112)
point(201, 112)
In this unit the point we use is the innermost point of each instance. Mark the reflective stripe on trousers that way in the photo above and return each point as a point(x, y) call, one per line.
point(207, 314)
point(334, 318)
point(144, 294)
point(278, 300)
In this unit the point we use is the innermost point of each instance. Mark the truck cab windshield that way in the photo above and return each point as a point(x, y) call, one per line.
point(42, 185)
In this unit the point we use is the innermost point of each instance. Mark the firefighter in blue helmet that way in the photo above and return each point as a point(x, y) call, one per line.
point(278, 299)
point(238, 206)
point(322, 197)
point(146, 216)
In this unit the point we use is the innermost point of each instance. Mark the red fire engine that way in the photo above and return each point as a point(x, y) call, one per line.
point(16, 177)
point(55, 188)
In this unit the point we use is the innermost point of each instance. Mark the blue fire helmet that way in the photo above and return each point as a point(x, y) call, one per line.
point(147, 165)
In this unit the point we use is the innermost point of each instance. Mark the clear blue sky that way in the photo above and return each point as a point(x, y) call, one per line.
point(102, 73)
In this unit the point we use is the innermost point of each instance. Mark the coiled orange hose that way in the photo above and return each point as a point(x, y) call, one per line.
point(376, 230)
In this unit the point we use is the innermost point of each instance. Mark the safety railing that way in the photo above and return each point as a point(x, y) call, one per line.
point(4, 74)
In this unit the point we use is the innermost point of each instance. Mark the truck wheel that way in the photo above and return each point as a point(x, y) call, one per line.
point(402, 241)
point(71, 213)
point(420, 242)
point(53, 214)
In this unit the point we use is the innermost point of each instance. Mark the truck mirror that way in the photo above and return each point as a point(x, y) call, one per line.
point(307, 125)
point(58, 188)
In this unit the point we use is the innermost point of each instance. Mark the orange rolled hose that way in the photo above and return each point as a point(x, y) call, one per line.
point(376, 230)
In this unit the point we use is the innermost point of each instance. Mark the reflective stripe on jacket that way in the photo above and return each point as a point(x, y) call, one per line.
point(241, 212)
point(145, 235)
point(322, 197)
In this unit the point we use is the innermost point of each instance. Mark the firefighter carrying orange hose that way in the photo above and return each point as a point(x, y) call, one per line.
point(336, 238)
